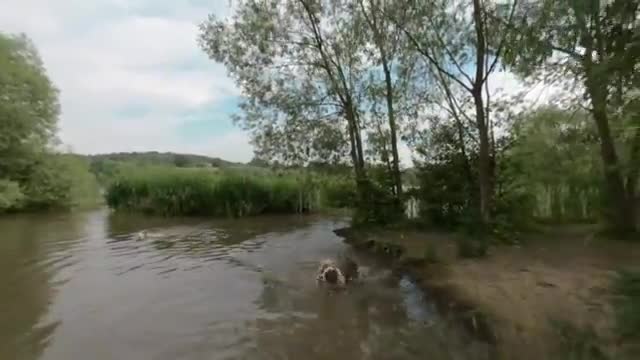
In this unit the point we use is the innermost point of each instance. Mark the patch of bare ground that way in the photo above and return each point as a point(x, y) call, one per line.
point(530, 294)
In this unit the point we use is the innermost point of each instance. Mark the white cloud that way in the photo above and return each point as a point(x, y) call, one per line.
point(111, 56)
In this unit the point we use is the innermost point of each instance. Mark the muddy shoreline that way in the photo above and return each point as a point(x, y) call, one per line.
point(544, 299)
point(445, 298)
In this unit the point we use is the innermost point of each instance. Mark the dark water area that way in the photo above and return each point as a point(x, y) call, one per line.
point(89, 286)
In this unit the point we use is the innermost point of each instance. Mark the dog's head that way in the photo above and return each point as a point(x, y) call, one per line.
point(324, 264)
point(330, 273)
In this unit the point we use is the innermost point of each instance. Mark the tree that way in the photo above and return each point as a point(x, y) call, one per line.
point(386, 42)
point(299, 63)
point(553, 157)
point(595, 44)
point(10, 195)
point(31, 175)
point(29, 107)
point(461, 48)
point(444, 194)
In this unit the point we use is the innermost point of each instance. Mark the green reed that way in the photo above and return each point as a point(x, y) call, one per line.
point(176, 191)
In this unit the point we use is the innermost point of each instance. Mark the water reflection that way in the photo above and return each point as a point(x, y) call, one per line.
point(86, 286)
point(35, 253)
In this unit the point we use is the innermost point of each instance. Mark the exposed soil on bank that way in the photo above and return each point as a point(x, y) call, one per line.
point(542, 299)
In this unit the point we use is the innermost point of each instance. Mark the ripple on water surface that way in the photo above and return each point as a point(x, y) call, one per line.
point(103, 286)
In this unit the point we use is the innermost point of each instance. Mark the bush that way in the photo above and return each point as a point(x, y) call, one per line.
point(10, 195)
point(627, 304)
point(376, 205)
point(60, 181)
point(46, 186)
point(577, 343)
point(84, 191)
point(339, 192)
point(444, 195)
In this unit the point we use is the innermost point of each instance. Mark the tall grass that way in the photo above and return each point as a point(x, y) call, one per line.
point(174, 191)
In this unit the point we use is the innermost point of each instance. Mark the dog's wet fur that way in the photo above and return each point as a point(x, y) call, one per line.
point(337, 274)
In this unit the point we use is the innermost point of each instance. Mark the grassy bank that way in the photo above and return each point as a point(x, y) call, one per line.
point(560, 294)
point(179, 191)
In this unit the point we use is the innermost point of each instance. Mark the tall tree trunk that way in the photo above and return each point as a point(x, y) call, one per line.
point(392, 127)
point(465, 157)
point(385, 153)
point(356, 141)
point(352, 142)
point(356, 127)
point(362, 185)
point(374, 24)
point(621, 214)
point(484, 166)
point(453, 110)
point(484, 162)
point(341, 88)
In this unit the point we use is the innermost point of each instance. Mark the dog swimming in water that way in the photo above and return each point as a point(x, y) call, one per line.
point(336, 275)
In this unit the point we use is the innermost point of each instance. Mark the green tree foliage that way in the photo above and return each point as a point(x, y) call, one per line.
point(460, 48)
point(10, 195)
point(387, 42)
point(29, 106)
point(303, 66)
point(627, 304)
point(444, 194)
point(296, 61)
point(554, 159)
point(594, 46)
point(84, 191)
point(45, 188)
point(547, 169)
point(327, 80)
point(59, 181)
point(31, 176)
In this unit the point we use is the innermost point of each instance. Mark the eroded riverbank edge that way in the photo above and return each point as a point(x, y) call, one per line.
point(549, 297)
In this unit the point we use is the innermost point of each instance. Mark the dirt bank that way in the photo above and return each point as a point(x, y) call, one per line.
point(543, 299)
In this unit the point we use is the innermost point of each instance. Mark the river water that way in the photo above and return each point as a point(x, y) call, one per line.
point(86, 286)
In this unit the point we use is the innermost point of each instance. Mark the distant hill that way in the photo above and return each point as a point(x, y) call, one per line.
point(164, 158)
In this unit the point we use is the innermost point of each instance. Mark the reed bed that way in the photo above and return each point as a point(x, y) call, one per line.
point(177, 192)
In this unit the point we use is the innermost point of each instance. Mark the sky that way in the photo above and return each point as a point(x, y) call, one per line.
point(132, 77)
